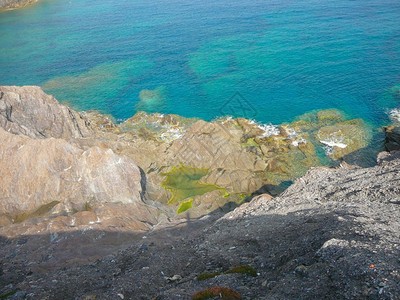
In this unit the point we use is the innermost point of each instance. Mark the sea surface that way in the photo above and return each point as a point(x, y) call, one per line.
point(268, 60)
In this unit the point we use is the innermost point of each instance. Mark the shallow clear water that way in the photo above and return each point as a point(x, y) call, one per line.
point(284, 57)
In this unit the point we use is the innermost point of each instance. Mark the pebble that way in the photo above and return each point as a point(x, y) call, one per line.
point(301, 270)
point(175, 278)
point(271, 284)
point(265, 283)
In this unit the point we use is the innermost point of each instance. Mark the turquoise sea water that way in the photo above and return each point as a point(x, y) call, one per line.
point(284, 57)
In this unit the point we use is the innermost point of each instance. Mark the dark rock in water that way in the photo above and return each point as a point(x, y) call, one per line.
point(392, 141)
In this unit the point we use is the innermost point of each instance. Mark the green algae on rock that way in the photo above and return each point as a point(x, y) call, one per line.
point(159, 127)
point(184, 206)
point(218, 162)
point(40, 212)
point(183, 182)
point(241, 156)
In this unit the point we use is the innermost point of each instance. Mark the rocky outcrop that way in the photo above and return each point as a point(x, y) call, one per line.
point(31, 112)
point(12, 4)
point(392, 140)
point(36, 172)
point(240, 156)
point(48, 170)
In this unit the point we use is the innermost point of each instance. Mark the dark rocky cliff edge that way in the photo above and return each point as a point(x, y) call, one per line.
point(13, 4)
point(146, 209)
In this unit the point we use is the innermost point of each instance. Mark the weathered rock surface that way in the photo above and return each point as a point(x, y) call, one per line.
point(36, 172)
point(49, 173)
point(334, 234)
point(30, 111)
point(12, 4)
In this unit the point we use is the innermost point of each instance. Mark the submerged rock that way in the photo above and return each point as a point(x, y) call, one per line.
point(151, 100)
point(343, 138)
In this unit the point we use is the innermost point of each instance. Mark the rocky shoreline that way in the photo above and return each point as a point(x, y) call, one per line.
point(14, 4)
point(77, 187)
point(223, 162)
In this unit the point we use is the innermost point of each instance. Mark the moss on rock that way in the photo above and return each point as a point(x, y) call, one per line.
point(243, 269)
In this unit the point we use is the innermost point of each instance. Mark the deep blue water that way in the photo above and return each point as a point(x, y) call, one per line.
point(284, 57)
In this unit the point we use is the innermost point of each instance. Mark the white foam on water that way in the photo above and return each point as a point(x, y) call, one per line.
point(252, 122)
point(294, 135)
point(269, 130)
point(172, 133)
point(299, 141)
point(222, 120)
point(394, 114)
point(290, 132)
point(332, 143)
